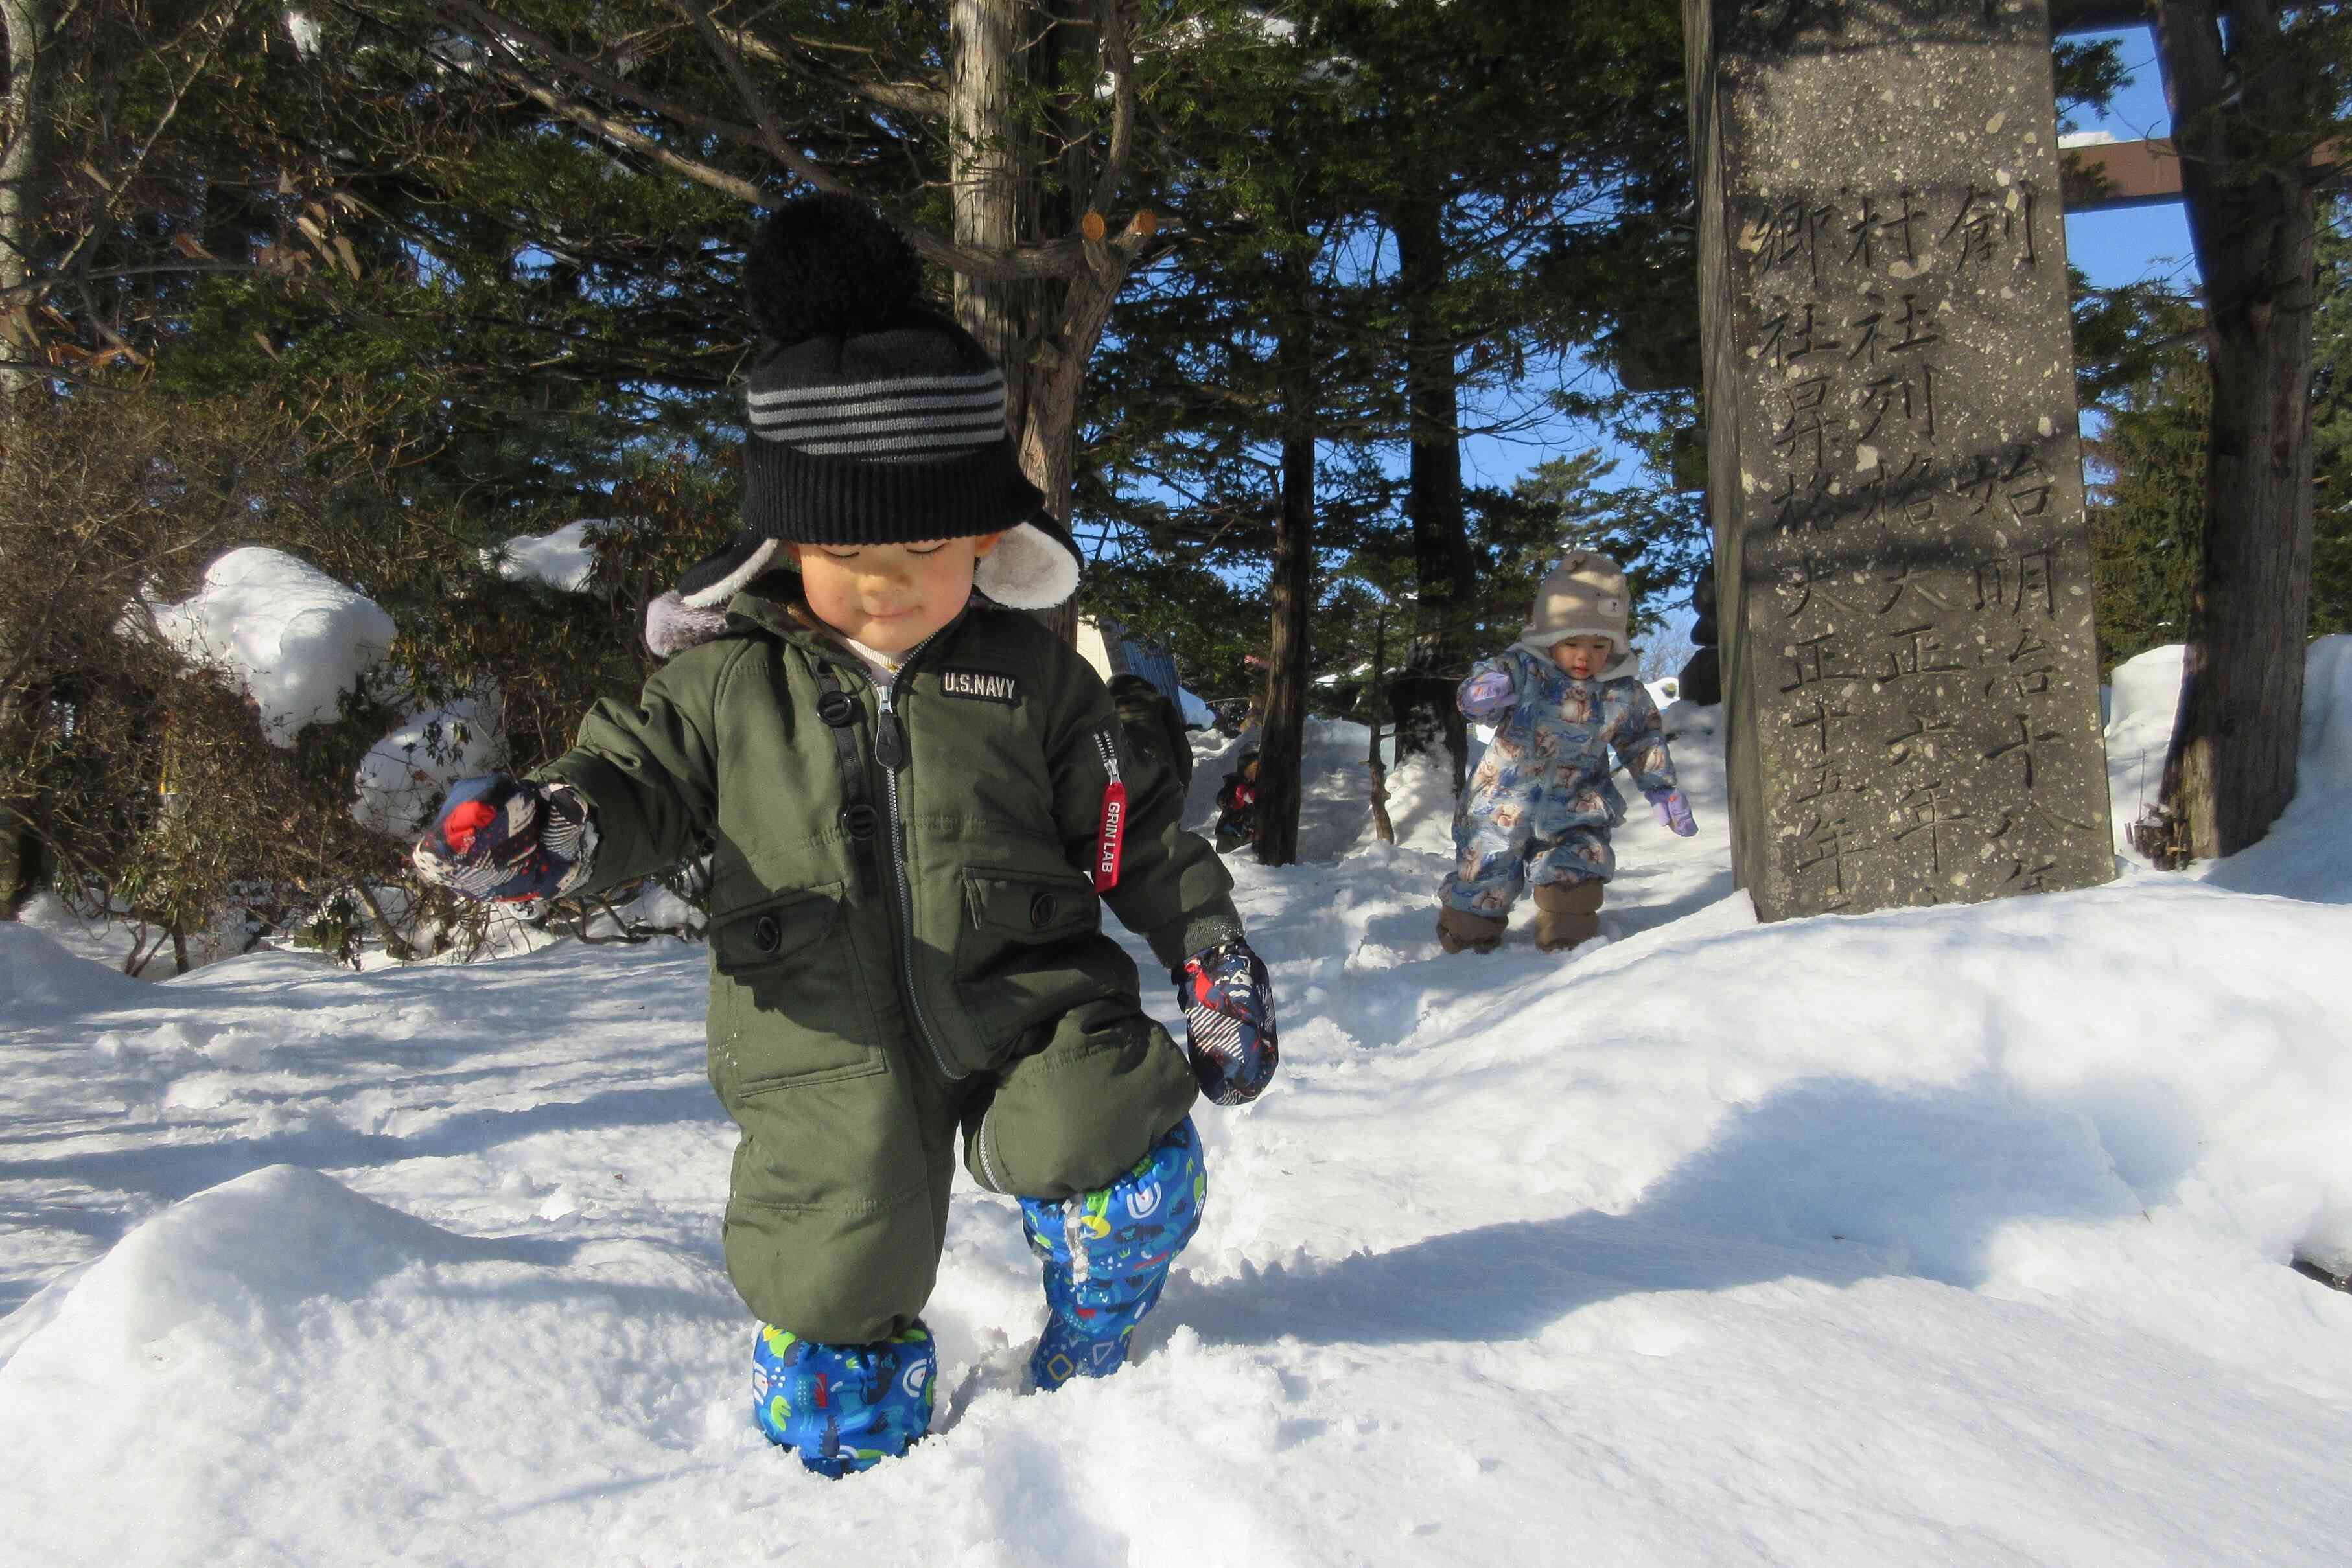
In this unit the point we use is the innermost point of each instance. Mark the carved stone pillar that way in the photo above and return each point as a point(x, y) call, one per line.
point(1902, 556)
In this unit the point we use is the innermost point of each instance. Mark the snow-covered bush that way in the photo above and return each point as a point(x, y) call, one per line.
point(292, 638)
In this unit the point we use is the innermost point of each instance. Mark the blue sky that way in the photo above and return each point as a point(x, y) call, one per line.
point(2118, 247)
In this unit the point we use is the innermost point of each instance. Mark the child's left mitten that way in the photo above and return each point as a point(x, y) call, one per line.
point(1673, 812)
point(1228, 1005)
point(509, 840)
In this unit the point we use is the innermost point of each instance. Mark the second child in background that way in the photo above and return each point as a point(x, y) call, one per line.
point(1237, 803)
point(1541, 806)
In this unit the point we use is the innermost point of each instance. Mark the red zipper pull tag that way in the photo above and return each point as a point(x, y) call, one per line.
point(1112, 835)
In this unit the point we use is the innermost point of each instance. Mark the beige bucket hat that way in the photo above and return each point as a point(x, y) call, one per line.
point(1584, 596)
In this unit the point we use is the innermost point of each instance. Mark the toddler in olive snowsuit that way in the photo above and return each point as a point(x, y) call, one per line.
point(916, 803)
point(1540, 807)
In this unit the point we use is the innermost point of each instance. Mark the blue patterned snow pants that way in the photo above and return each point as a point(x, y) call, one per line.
point(1495, 862)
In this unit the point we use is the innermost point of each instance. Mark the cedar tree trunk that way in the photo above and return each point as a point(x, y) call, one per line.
point(2232, 768)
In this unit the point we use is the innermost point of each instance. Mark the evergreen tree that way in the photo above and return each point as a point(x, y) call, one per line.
point(2259, 111)
point(2148, 514)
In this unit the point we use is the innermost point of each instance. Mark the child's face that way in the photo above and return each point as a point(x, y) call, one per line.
point(890, 597)
point(1249, 770)
point(1582, 657)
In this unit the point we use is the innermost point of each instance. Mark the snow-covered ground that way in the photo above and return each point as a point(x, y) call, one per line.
point(1945, 1236)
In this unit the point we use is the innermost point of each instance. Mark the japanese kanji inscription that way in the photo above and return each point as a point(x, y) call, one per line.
point(1903, 565)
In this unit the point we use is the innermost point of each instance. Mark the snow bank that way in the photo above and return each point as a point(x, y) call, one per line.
point(563, 560)
point(1197, 714)
point(2305, 854)
point(280, 1330)
point(41, 980)
point(293, 637)
point(2144, 700)
point(2327, 757)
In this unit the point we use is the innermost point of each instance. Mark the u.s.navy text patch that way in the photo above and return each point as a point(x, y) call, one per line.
point(986, 686)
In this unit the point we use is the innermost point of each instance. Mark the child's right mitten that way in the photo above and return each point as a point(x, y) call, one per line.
point(507, 838)
point(1487, 692)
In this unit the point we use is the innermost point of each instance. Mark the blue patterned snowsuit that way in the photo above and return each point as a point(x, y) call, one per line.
point(1540, 807)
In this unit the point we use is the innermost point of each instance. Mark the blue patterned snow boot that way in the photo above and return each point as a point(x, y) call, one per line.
point(843, 1408)
point(1107, 1255)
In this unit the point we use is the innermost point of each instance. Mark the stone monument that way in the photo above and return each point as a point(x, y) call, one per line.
point(1902, 556)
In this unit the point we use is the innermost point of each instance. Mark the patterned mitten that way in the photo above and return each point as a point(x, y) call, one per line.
point(1228, 1005)
point(1673, 812)
point(843, 1408)
point(1485, 693)
point(509, 840)
point(1107, 1255)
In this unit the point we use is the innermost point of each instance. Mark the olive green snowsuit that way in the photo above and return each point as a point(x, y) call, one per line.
point(901, 951)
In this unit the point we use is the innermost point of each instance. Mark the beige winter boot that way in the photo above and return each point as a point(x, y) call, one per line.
point(1567, 913)
point(1460, 933)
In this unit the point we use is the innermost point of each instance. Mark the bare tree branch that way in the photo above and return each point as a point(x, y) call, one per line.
point(491, 25)
point(1060, 258)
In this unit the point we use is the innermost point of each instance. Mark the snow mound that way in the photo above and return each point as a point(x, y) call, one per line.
point(2327, 759)
point(563, 560)
point(2144, 699)
point(222, 1271)
point(42, 981)
point(282, 1331)
point(2305, 854)
point(293, 637)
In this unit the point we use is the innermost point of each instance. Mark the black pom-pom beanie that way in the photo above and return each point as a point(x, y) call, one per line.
point(874, 420)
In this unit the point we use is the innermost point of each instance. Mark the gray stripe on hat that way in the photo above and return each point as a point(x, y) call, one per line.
point(904, 386)
point(799, 430)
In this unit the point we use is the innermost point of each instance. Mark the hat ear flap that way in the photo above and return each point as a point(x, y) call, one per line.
point(1030, 568)
point(709, 584)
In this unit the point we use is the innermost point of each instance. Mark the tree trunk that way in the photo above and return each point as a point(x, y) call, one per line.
point(1041, 332)
point(22, 168)
point(1281, 745)
point(22, 861)
point(1445, 574)
point(2232, 768)
point(1382, 828)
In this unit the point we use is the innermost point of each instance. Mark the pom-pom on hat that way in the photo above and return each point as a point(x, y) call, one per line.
point(874, 419)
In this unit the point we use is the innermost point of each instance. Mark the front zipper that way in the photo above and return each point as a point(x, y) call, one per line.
point(890, 751)
point(1111, 834)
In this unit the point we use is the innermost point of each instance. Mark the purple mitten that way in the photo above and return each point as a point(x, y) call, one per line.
point(1673, 812)
point(1487, 691)
point(508, 839)
point(1229, 1017)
